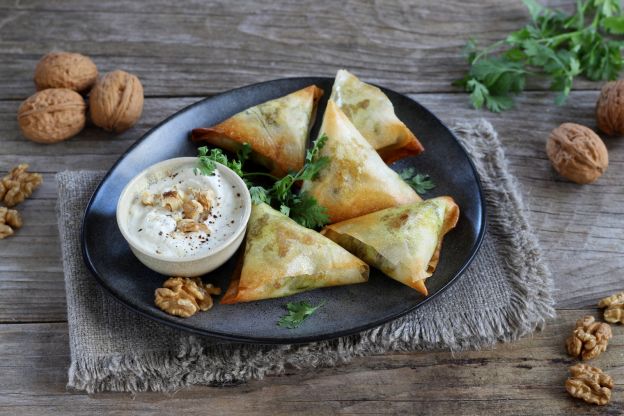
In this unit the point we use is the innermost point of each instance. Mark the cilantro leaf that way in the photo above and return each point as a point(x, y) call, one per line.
point(206, 159)
point(491, 81)
point(243, 153)
point(282, 189)
point(297, 313)
point(305, 209)
point(259, 195)
point(301, 207)
point(285, 209)
point(614, 24)
point(498, 103)
point(420, 182)
point(555, 44)
point(535, 9)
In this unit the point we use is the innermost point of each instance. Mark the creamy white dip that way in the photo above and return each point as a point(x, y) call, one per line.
point(155, 227)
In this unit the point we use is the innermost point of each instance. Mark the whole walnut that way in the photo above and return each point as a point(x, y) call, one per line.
point(52, 115)
point(65, 70)
point(577, 153)
point(116, 101)
point(610, 108)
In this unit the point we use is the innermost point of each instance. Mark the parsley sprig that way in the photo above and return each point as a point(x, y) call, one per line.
point(297, 313)
point(301, 207)
point(420, 182)
point(558, 45)
point(206, 159)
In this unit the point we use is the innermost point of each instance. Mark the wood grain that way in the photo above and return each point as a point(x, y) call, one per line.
point(189, 49)
point(199, 48)
point(522, 378)
point(586, 260)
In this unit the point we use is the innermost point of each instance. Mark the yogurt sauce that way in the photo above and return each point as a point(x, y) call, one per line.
point(154, 226)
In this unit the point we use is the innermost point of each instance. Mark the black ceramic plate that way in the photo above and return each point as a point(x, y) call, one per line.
point(348, 309)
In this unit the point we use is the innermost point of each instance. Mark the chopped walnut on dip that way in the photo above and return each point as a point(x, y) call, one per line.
point(183, 213)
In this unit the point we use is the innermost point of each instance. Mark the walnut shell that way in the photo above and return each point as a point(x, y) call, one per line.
point(65, 70)
point(577, 153)
point(52, 115)
point(116, 101)
point(610, 108)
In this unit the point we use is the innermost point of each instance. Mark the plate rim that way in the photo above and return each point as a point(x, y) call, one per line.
point(286, 340)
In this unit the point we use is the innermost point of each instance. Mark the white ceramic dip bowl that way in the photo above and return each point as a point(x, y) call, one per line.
point(153, 231)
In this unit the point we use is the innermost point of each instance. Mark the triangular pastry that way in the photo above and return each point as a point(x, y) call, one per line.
point(283, 258)
point(277, 130)
point(356, 181)
point(403, 242)
point(372, 113)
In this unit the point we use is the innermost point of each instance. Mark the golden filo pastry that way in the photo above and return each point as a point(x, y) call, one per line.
point(403, 242)
point(372, 113)
point(356, 181)
point(282, 258)
point(277, 130)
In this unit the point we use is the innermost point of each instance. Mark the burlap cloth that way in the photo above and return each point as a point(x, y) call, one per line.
point(504, 294)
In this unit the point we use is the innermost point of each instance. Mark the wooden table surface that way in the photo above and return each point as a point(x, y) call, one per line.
point(185, 50)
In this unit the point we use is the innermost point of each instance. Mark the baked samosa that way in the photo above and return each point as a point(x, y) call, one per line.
point(277, 130)
point(283, 258)
point(356, 181)
point(403, 242)
point(372, 113)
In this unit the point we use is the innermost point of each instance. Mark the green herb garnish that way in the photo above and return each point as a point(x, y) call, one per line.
point(301, 207)
point(297, 313)
point(206, 159)
point(558, 45)
point(420, 182)
point(259, 194)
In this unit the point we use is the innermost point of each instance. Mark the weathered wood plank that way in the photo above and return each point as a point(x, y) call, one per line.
point(522, 378)
point(583, 248)
point(193, 48)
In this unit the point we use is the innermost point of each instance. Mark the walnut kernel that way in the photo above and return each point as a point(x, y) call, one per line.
point(149, 199)
point(577, 153)
point(52, 115)
point(18, 185)
point(116, 101)
point(589, 384)
point(192, 210)
point(610, 108)
point(190, 226)
point(171, 200)
point(185, 296)
point(614, 299)
point(205, 198)
point(614, 314)
point(589, 338)
point(10, 220)
point(65, 70)
point(614, 304)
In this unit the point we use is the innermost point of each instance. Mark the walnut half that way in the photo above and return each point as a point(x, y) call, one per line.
point(18, 185)
point(589, 338)
point(185, 296)
point(10, 220)
point(589, 384)
point(614, 304)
